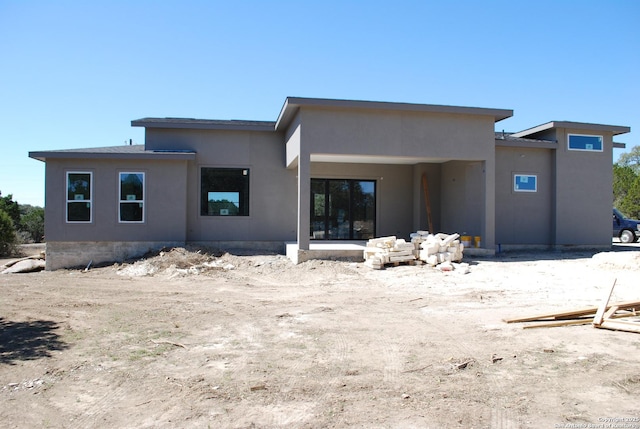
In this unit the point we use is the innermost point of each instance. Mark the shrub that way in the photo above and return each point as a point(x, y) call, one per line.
point(8, 237)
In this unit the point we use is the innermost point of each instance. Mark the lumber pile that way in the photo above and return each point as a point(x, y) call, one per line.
point(440, 250)
point(604, 316)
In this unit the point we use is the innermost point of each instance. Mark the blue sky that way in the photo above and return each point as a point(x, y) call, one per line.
point(74, 74)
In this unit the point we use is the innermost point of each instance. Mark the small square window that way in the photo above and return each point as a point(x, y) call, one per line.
point(585, 142)
point(224, 192)
point(525, 183)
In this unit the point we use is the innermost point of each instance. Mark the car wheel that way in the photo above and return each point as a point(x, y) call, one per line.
point(627, 236)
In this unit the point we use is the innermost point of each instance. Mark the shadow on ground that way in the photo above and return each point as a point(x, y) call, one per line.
point(29, 340)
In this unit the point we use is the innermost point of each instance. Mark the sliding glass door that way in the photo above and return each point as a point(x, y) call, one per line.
point(343, 209)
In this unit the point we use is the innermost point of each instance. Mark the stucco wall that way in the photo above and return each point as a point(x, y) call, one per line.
point(272, 187)
point(420, 217)
point(524, 217)
point(165, 201)
point(584, 192)
point(391, 133)
point(462, 198)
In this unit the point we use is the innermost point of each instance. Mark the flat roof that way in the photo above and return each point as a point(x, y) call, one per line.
point(113, 152)
point(292, 104)
point(615, 129)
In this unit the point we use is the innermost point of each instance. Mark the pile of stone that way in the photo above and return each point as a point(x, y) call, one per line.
point(437, 250)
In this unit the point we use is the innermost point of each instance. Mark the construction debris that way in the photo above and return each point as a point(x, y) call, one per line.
point(439, 250)
point(604, 316)
point(24, 265)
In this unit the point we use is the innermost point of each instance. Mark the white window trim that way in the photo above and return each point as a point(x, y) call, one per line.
point(67, 200)
point(143, 201)
point(516, 175)
point(585, 135)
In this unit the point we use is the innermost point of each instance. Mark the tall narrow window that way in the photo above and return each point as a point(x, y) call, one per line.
point(131, 207)
point(79, 184)
point(224, 192)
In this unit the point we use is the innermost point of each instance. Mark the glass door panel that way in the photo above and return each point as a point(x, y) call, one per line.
point(342, 209)
point(364, 209)
point(339, 214)
point(318, 209)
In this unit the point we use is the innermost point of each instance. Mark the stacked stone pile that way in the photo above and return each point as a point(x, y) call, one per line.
point(437, 250)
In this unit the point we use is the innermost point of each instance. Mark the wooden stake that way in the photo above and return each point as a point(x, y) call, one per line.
point(427, 202)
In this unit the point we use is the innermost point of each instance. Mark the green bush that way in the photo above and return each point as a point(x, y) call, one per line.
point(8, 237)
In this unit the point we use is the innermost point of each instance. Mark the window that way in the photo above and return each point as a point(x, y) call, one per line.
point(585, 142)
point(131, 207)
point(79, 184)
point(525, 183)
point(224, 192)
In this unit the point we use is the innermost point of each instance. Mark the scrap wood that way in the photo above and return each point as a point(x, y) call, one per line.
point(597, 320)
point(619, 325)
point(573, 314)
point(583, 321)
point(604, 318)
point(578, 321)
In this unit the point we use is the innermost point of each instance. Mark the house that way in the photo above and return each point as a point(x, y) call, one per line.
point(326, 172)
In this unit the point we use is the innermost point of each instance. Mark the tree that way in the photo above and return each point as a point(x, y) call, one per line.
point(11, 208)
point(631, 159)
point(630, 203)
point(8, 238)
point(626, 183)
point(623, 178)
point(32, 222)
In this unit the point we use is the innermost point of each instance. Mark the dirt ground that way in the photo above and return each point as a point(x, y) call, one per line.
point(191, 339)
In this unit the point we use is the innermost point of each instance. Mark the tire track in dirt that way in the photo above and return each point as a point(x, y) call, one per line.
point(500, 417)
point(103, 405)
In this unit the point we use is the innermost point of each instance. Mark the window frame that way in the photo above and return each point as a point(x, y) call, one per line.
point(528, 175)
point(68, 201)
point(569, 135)
point(127, 201)
point(244, 203)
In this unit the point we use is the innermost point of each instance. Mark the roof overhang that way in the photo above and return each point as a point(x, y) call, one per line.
point(293, 104)
point(615, 129)
point(204, 124)
point(114, 152)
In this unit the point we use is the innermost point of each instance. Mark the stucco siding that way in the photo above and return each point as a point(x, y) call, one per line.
point(420, 216)
point(406, 134)
point(524, 217)
point(164, 201)
point(462, 198)
point(584, 192)
point(272, 188)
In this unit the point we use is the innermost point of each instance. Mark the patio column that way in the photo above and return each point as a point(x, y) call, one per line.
point(489, 218)
point(304, 196)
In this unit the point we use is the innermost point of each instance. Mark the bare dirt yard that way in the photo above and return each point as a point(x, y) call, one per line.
point(190, 339)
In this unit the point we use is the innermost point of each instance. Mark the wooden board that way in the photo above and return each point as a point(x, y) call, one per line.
point(603, 305)
point(586, 311)
point(619, 325)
